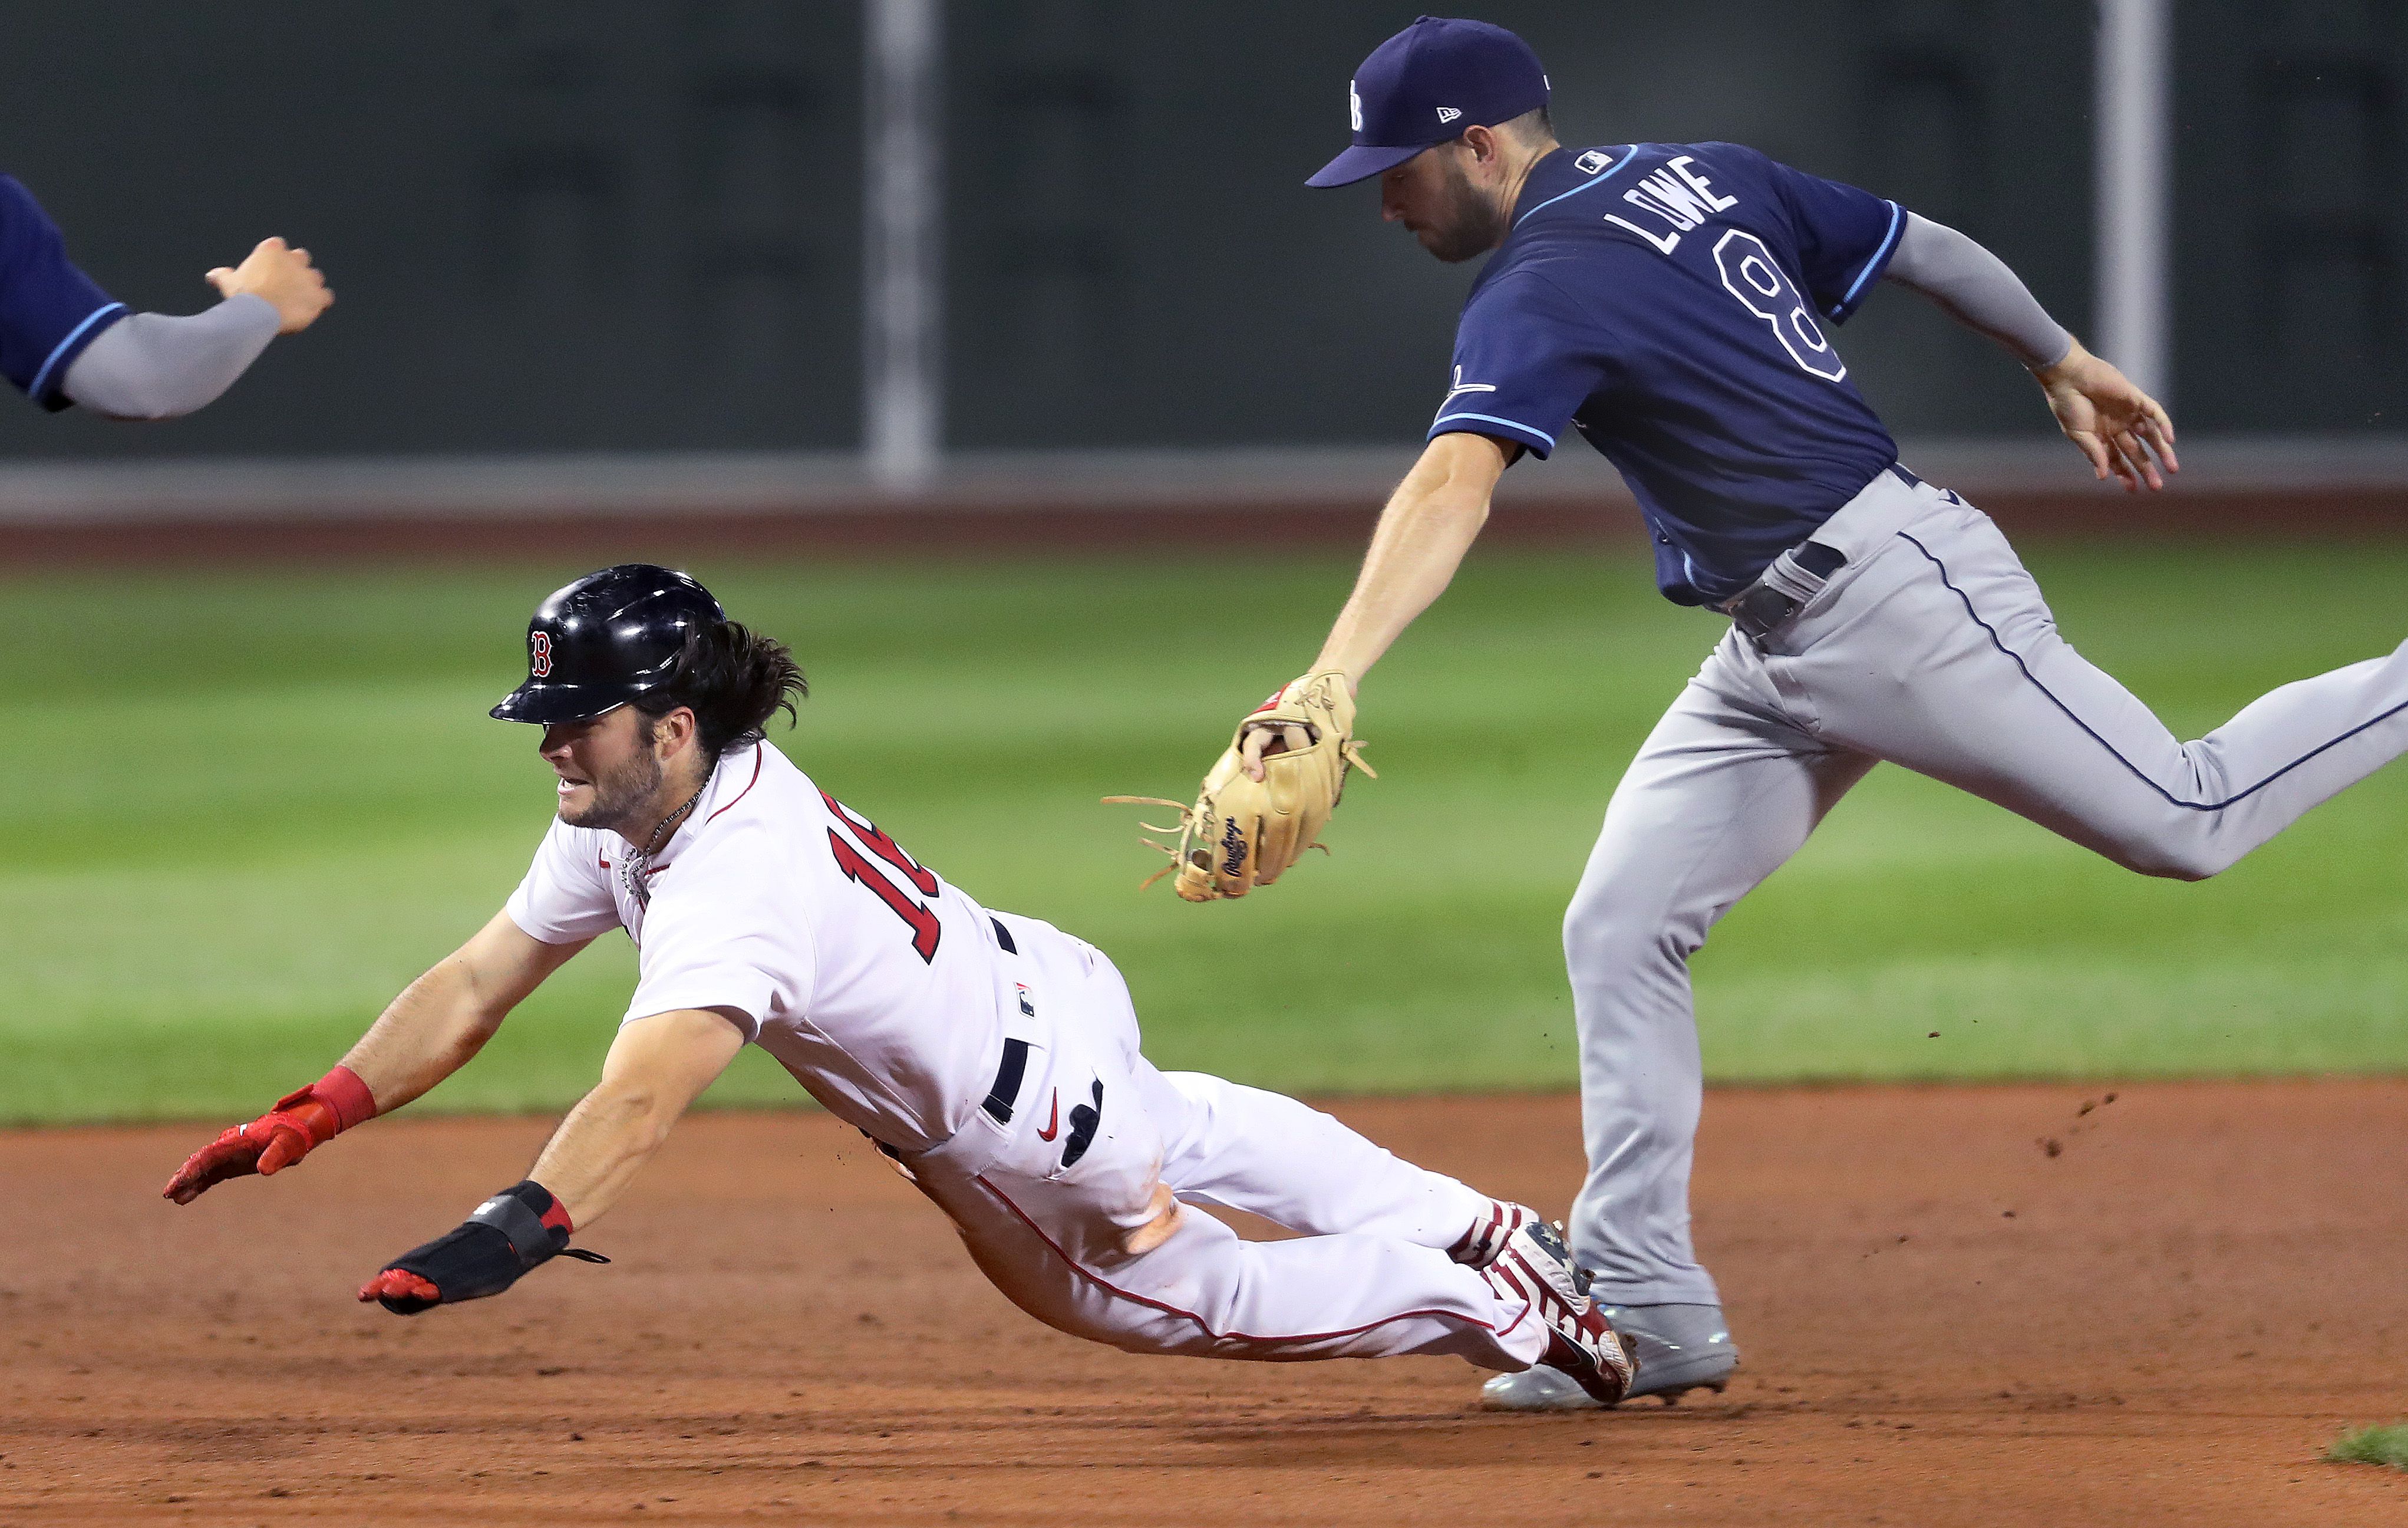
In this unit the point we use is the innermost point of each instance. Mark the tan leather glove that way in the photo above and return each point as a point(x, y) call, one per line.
point(1243, 832)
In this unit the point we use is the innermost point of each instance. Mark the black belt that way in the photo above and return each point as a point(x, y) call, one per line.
point(1008, 1076)
point(1760, 610)
point(1007, 1082)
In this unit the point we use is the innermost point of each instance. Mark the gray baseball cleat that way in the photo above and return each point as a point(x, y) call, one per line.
point(1679, 1348)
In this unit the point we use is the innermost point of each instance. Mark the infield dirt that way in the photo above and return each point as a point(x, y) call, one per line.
point(1960, 1306)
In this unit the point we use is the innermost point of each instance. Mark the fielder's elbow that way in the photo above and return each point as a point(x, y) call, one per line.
point(134, 411)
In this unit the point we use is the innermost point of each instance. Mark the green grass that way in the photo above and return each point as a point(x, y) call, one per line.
point(2373, 1446)
point(246, 809)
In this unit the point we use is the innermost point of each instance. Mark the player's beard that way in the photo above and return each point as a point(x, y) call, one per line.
point(1470, 226)
point(621, 797)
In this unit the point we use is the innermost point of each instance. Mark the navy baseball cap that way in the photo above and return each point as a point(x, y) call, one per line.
point(1425, 85)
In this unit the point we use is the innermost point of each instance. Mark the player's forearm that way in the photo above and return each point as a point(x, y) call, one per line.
point(1430, 521)
point(1978, 290)
point(605, 1141)
point(151, 365)
point(657, 1066)
point(430, 1031)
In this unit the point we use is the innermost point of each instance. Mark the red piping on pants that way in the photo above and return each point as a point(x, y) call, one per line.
point(1233, 1336)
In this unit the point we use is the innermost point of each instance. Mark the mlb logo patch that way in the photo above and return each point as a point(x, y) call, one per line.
point(1026, 1006)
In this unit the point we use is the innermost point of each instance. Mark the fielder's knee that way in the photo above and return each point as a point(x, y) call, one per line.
point(2175, 856)
point(1605, 941)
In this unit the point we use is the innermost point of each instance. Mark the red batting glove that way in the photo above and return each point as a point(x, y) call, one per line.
point(299, 1123)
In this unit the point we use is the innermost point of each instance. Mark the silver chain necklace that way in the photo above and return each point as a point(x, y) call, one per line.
point(634, 868)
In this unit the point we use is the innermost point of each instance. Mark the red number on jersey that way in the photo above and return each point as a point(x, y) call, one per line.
point(884, 848)
point(925, 929)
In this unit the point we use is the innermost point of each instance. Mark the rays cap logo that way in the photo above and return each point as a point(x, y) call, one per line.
point(1425, 85)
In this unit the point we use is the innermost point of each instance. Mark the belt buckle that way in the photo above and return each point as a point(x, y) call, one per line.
point(1759, 610)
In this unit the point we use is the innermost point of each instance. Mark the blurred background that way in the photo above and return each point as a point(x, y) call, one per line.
point(972, 347)
point(592, 226)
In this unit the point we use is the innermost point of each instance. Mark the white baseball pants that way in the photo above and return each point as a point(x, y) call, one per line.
point(1931, 648)
point(1099, 1249)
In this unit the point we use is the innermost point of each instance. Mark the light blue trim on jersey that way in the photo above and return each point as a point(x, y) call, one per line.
point(1492, 419)
point(1602, 178)
point(43, 375)
point(1889, 242)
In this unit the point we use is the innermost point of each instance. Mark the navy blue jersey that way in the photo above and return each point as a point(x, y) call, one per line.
point(48, 310)
point(1669, 301)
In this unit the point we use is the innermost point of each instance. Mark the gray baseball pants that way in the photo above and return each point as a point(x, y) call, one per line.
point(1932, 648)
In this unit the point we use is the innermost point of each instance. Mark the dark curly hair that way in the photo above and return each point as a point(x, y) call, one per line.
point(733, 680)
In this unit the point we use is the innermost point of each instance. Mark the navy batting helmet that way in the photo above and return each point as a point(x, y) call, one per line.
point(605, 639)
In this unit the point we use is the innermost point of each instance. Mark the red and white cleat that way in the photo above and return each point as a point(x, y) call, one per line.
point(1477, 1246)
point(1537, 1267)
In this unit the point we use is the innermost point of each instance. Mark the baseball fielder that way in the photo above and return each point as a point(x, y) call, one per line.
point(1674, 304)
point(994, 1059)
point(64, 340)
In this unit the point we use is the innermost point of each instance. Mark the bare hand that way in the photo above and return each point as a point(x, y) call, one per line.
point(2112, 422)
point(285, 278)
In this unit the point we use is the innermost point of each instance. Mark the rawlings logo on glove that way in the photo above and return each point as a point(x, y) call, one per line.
point(1262, 826)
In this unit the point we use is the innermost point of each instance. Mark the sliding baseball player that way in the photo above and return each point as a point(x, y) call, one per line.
point(994, 1058)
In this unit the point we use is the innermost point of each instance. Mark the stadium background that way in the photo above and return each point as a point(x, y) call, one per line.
point(602, 296)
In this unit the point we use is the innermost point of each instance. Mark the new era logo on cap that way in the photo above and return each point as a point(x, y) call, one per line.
point(1427, 84)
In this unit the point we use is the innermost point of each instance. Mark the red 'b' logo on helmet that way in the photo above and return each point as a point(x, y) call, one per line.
point(540, 655)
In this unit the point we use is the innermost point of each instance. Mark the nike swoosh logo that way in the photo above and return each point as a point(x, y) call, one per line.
point(1054, 1125)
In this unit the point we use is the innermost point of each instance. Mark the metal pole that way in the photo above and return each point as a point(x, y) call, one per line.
point(903, 366)
point(2135, 164)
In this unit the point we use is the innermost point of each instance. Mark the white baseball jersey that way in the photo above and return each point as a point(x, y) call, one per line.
point(866, 975)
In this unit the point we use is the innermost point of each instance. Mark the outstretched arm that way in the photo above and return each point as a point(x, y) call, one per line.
point(1976, 289)
point(424, 1035)
point(1430, 521)
point(151, 365)
point(656, 1068)
point(2118, 427)
point(443, 1019)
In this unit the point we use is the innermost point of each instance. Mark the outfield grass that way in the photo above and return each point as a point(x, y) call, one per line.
point(248, 808)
